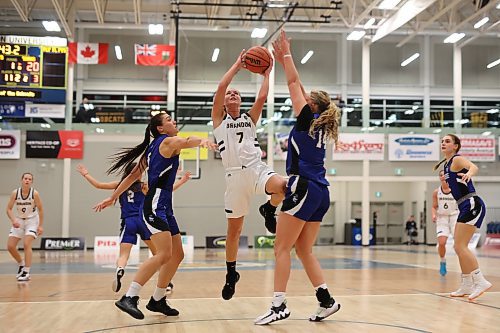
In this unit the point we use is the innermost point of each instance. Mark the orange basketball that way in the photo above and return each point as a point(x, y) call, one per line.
point(257, 59)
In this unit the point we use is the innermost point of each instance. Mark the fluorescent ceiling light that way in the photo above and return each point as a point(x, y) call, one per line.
point(215, 55)
point(307, 57)
point(453, 38)
point(155, 29)
point(389, 4)
point(481, 22)
point(498, 6)
point(492, 111)
point(51, 26)
point(259, 32)
point(118, 52)
point(410, 59)
point(369, 23)
point(356, 35)
point(493, 64)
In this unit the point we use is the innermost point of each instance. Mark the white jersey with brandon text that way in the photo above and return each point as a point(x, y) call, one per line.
point(447, 205)
point(237, 141)
point(26, 207)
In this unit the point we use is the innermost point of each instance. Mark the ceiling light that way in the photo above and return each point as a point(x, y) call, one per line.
point(493, 64)
point(155, 29)
point(356, 35)
point(410, 59)
point(492, 111)
point(369, 23)
point(410, 111)
point(486, 133)
point(51, 26)
point(453, 38)
point(307, 57)
point(277, 4)
point(498, 6)
point(389, 4)
point(481, 22)
point(215, 55)
point(118, 52)
point(259, 32)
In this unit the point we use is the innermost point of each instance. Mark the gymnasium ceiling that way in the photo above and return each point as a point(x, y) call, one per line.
point(436, 17)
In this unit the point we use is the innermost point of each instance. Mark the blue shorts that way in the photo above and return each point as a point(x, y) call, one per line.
point(306, 199)
point(131, 227)
point(472, 211)
point(157, 212)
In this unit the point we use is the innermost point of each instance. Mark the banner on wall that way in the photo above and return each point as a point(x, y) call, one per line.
point(414, 147)
point(478, 148)
point(190, 154)
point(45, 110)
point(357, 147)
point(12, 109)
point(10, 145)
point(54, 144)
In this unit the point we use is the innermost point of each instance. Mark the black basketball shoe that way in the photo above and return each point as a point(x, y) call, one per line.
point(161, 306)
point(129, 305)
point(269, 213)
point(229, 287)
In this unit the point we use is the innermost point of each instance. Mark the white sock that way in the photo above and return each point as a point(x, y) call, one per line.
point(323, 286)
point(134, 289)
point(118, 268)
point(477, 275)
point(443, 259)
point(26, 269)
point(278, 298)
point(159, 293)
point(22, 263)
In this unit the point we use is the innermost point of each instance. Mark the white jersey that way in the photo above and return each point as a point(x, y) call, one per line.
point(447, 205)
point(237, 141)
point(26, 207)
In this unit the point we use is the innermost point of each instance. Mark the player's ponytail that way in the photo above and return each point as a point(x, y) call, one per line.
point(127, 156)
point(329, 117)
point(440, 162)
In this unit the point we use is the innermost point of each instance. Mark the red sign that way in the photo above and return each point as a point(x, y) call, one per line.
point(71, 144)
point(54, 144)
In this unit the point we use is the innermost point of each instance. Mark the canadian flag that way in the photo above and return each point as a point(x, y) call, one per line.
point(88, 53)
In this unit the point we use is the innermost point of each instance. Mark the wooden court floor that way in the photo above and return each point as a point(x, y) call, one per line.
point(381, 289)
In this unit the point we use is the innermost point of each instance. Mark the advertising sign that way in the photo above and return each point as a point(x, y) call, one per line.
point(10, 145)
point(358, 147)
point(414, 147)
point(54, 144)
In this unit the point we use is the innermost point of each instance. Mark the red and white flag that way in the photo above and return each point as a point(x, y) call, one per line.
point(154, 54)
point(88, 53)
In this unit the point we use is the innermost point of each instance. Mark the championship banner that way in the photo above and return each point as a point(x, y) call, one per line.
point(478, 148)
point(54, 144)
point(45, 110)
point(358, 147)
point(191, 153)
point(58, 243)
point(10, 145)
point(414, 147)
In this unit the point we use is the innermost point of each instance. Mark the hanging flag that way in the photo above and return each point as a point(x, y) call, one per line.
point(88, 53)
point(154, 54)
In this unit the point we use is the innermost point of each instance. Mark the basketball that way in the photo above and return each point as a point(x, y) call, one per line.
point(257, 59)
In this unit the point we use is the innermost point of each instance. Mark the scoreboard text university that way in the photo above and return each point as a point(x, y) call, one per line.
point(33, 73)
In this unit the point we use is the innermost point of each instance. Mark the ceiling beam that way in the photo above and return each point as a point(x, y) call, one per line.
point(98, 11)
point(62, 18)
point(429, 22)
point(137, 11)
point(491, 27)
point(20, 10)
point(480, 12)
point(364, 14)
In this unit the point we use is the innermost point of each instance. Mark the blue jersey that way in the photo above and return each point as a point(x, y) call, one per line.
point(162, 171)
point(131, 200)
point(458, 187)
point(306, 155)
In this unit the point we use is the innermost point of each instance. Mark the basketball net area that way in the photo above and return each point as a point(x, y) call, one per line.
point(190, 162)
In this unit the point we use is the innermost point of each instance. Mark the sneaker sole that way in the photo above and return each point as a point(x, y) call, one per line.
point(485, 290)
point(273, 320)
point(136, 316)
point(168, 315)
point(117, 283)
point(459, 295)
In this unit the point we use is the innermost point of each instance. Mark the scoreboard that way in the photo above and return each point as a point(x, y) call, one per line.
point(33, 73)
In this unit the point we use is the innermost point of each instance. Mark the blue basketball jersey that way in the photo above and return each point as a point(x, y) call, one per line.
point(161, 170)
point(458, 187)
point(131, 200)
point(306, 155)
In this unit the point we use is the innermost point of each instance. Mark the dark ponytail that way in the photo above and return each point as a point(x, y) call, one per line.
point(124, 158)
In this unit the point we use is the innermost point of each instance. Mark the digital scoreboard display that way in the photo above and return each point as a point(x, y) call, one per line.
point(33, 73)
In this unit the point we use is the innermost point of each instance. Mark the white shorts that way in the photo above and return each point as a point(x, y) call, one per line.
point(241, 185)
point(28, 227)
point(445, 225)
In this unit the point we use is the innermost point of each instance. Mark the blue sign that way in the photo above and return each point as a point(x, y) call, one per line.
point(12, 109)
point(414, 141)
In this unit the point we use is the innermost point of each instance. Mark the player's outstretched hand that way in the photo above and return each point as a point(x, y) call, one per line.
point(103, 204)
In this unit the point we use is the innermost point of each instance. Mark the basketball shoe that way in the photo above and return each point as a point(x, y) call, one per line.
point(275, 313)
point(161, 306)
